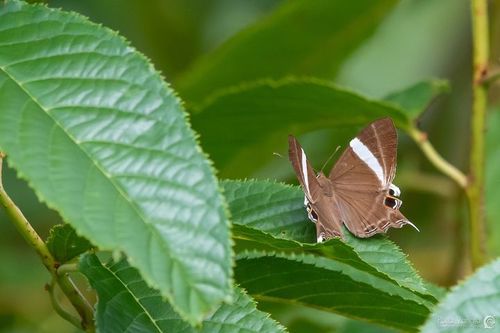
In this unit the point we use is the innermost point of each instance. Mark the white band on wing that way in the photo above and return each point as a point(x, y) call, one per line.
point(304, 173)
point(367, 156)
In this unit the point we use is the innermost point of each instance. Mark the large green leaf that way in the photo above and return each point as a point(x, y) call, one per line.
point(301, 37)
point(101, 138)
point(493, 181)
point(274, 208)
point(320, 283)
point(269, 218)
point(335, 254)
point(127, 304)
point(472, 306)
point(257, 118)
point(303, 319)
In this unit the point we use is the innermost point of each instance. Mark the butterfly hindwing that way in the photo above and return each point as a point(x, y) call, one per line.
point(319, 200)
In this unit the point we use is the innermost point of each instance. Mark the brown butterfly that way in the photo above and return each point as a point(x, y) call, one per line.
point(358, 192)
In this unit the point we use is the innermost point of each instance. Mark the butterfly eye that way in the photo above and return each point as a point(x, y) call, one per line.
point(391, 192)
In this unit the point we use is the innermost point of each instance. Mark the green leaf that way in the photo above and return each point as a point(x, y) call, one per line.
point(65, 244)
point(415, 99)
point(472, 306)
point(493, 180)
point(397, 279)
point(322, 283)
point(102, 139)
point(301, 37)
point(127, 304)
point(302, 319)
point(269, 218)
point(258, 117)
point(275, 210)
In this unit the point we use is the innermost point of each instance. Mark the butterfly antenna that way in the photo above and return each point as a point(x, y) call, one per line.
point(329, 158)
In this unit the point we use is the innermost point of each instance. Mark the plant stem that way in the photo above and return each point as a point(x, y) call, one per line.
point(437, 160)
point(58, 308)
point(80, 304)
point(24, 227)
point(475, 190)
point(67, 268)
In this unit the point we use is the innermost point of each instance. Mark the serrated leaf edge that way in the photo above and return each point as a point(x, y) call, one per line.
point(185, 316)
point(245, 86)
point(457, 286)
point(394, 245)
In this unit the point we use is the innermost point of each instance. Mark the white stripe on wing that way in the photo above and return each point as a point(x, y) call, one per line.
point(304, 173)
point(367, 156)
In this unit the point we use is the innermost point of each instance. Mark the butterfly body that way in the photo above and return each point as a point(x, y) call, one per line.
point(358, 192)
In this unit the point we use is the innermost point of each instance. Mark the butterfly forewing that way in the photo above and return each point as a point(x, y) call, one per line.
point(376, 148)
point(361, 179)
point(303, 170)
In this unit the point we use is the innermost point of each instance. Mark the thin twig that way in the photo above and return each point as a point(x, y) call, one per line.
point(79, 302)
point(437, 160)
point(491, 79)
point(24, 227)
point(425, 182)
point(58, 308)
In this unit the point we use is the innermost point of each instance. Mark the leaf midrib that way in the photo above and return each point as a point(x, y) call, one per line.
point(381, 321)
point(299, 248)
point(347, 270)
point(125, 286)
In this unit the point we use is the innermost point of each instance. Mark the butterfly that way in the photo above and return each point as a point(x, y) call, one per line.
point(358, 192)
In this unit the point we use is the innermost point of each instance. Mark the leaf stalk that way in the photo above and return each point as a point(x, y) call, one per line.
point(58, 308)
point(75, 297)
point(437, 160)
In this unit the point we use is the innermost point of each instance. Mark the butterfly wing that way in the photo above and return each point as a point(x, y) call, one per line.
point(362, 181)
point(319, 199)
point(328, 224)
point(303, 170)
